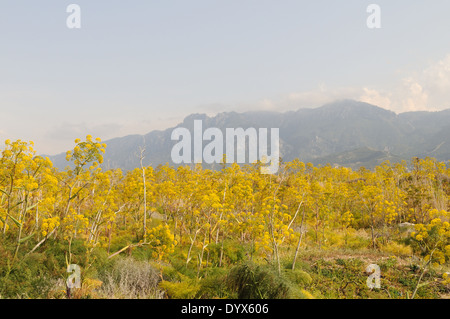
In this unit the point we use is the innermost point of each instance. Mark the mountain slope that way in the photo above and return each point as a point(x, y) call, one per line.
point(347, 132)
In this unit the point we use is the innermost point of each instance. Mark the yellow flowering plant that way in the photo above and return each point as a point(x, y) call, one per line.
point(161, 240)
point(86, 152)
point(433, 242)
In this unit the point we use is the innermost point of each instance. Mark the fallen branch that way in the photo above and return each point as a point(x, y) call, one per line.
point(127, 247)
point(42, 241)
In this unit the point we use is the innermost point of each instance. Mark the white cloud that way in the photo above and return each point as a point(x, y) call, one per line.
point(437, 75)
point(412, 96)
point(427, 90)
point(408, 96)
point(376, 98)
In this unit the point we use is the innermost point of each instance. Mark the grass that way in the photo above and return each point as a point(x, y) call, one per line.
point(321, 272)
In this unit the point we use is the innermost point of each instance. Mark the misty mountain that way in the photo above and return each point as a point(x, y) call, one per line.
point(347, 133)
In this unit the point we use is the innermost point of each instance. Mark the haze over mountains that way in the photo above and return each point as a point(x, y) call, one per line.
point(346, 133)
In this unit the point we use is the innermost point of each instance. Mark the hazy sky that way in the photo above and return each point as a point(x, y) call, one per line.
point(135, 66)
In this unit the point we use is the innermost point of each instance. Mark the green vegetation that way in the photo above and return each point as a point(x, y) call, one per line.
point(307, 232)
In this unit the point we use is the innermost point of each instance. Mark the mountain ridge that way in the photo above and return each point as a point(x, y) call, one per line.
point(345, 132)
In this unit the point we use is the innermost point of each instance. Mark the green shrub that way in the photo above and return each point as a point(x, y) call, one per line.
point(232, 252)
point(214, 285)
point(297, 293)
point(186, 289)
point(28, 278)
point(251, 281)
point(356, 242)
point(299, 277)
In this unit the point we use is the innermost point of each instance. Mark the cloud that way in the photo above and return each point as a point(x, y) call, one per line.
point(407, 96)
point(426, 90)
point(413, 97)
point(376, 98)
point(437, 75)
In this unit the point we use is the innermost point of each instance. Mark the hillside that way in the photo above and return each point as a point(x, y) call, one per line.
point(347, 133)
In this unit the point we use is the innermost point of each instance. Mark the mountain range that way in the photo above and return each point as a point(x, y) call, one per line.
point(346, 133)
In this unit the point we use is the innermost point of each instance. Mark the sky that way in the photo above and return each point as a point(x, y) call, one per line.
point(136, 66)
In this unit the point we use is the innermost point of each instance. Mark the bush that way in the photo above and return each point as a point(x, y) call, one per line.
point(297, 293)
point(131, 279)
point(232, 252)
point(251, 281)
point(355, 242)
point(396, 249)
point(186, 289)
point(299, 277)
point(214, 285)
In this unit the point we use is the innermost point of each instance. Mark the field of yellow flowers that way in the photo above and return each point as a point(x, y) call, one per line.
point(189, 232)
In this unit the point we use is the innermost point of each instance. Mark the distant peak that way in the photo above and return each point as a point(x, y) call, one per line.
point(355, 107)
point(195, 116)
point(349, 103)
